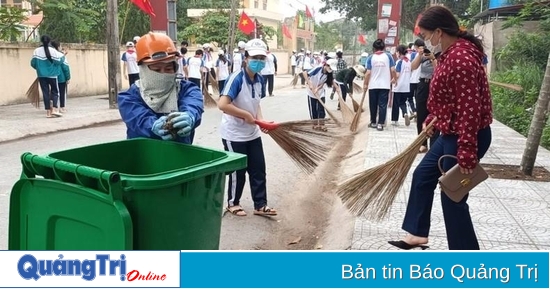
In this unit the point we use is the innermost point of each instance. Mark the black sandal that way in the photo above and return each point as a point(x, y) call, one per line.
point(406, 246)
point(237, 211)
point(265, 211)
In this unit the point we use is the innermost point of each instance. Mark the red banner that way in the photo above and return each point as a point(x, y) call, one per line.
point(389, 16)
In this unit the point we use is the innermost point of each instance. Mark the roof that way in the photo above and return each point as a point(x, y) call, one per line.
point(34, 19)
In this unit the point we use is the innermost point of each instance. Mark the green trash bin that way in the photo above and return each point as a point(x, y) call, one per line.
point(173, 192)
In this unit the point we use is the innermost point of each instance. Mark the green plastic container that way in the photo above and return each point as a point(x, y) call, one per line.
point(173, 192)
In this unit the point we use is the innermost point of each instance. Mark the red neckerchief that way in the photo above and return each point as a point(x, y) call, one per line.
point(130, 51)
point(379, 52)
point(405, 59)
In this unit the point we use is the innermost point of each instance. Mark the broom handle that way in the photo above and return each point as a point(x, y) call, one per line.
point(323, 104)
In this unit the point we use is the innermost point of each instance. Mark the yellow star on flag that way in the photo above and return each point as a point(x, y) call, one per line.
point(245, 22)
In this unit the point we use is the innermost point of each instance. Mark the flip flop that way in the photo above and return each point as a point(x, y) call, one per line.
point(406, 246)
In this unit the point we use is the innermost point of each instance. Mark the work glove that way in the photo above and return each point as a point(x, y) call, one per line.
point(158, 128)
point(183, 122)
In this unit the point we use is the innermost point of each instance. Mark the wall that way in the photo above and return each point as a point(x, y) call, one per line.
point(88, 70)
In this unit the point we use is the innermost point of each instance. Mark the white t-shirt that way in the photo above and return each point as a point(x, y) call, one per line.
point(415, 74)
point(380, 64)
point(208, 60)
point(130, 58)
point(194, 65)
point(181, 64)
point(403, 67)
point(245, 94)
point(293, 60)
point(237, 61)
point(269, 68)
point(308, 63)
point(223, 69)
point(317, 78)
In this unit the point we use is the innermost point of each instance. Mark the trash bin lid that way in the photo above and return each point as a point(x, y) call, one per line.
point(52, 215)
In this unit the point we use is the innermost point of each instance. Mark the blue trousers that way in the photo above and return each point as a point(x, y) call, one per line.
point(458, 223)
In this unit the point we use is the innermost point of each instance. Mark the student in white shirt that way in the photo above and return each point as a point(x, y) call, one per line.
point(402, 86)
point(269, 71)
point(415, 79)
point(240, 103)
point(378, 80)
point(195, 65)
point(293, 62)
point(316, 79)
point(238, 57)
point(222, 69)
point(130, 68)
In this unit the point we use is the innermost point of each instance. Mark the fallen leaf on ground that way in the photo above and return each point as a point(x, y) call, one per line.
point(295, 241)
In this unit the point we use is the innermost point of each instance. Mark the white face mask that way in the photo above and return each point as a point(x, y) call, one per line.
point(158, 90)
point(434, 49)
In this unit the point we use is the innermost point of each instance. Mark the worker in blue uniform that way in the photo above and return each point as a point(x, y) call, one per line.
point(158, 96)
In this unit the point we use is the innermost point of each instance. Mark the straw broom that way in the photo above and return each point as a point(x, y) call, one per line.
point(357, 88)
point(33, 94)
point(374, 190)
point(209, 101)
point(355, 104)
point(347, 113)
point(357, 118)
point(332, 116)
point(307, 148)
point(214, 82)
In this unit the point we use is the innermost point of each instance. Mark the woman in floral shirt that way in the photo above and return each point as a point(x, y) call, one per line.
point(460, 100)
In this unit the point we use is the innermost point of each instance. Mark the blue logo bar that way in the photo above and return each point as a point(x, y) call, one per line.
point(351, 269)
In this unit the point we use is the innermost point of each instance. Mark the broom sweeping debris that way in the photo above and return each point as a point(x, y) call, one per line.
point(355, 104)
point(307, 148)
point(357, 88)
point(209, 101)
point(347, 113)
point(357, 118)
point(214, 82)
point(33, 94)
point(506, 85)
point(374, 190)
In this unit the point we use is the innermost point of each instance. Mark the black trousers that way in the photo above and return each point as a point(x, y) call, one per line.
point(256, 173)
point(221, 85)
point(268, 82)
point(421, 95)
point(399, 102)
point(410, 97)
point(196, 81)
point(62, 93)
point(132, 78)
point(50, 91)
point(316, 109)
point(293, 70)
point(378, 105)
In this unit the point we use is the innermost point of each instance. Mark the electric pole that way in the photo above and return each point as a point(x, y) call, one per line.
point(113, 51)
point(232, 27)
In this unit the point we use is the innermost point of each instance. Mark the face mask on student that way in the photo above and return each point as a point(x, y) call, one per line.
point(256, 65)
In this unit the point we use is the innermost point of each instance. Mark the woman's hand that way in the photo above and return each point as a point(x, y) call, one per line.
point(465, 171)
point(430, 131)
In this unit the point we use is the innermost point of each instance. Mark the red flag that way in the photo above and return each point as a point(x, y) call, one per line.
point(286, 32)
point(308, 13)
point(145, 6)
point(416, 28)
point(246, 25)
point(361, 39)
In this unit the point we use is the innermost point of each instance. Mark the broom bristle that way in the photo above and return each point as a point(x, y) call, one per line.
point(355, 104)
point(372, 192)
point(347, 113)
point(306, 147)
point(215, 86)
point(357, 118)
point(33, 94)
point(208, 100)
point(357, 88)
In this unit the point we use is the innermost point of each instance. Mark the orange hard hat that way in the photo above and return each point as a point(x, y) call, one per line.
point(153, 47)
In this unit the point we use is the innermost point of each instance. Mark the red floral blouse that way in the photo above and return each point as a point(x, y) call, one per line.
point(460, 98)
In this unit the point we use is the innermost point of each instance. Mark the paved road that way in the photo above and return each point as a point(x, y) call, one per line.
point(238, 232)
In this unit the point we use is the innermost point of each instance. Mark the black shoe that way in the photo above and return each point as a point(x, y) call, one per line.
point(406, 246)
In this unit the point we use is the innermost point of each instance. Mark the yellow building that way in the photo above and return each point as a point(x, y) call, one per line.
point(267, 12)
point(303, 33)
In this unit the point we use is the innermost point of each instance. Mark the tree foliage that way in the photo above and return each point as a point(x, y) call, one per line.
point(10, 23)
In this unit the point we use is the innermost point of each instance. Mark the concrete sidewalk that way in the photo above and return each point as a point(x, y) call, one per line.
point(507, 214)
point(24, 120)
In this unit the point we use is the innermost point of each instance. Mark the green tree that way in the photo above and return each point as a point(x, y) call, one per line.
point(10, 23)
point(211, 27)
point(327, 36)
point(183, 5)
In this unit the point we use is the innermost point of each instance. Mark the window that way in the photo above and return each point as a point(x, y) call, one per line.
point(17, 2)
point(3, 2)
point(265, 4)
point(256, 4)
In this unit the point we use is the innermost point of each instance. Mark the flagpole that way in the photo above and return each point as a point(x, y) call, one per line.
point(255, 28)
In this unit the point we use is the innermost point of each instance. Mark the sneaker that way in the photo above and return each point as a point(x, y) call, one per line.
point(413, 116)
point(407, 119)
point(379, 127)
point(372, 125)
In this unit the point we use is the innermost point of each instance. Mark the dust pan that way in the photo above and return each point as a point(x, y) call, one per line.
point(372, 192)
point(357, 118)
point(347, 113)
point(33, 93)
point(306, 147)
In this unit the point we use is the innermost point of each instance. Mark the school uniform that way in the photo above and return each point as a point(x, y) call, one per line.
point(379, 64)
point(132, 68)
point(194, 67)
point(241, 137)
point(269, 71)
point(415, 79)
point(401, 89)
point(317, 77)
point(223, 72)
